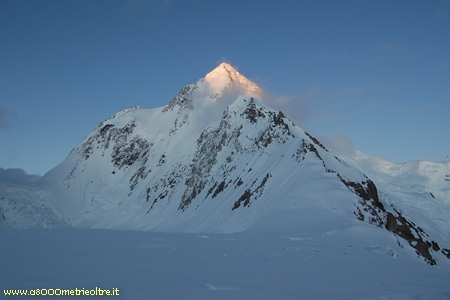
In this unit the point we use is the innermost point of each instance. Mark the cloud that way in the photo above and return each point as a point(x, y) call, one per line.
point(306, 111)
point(339, 144)
point(298, 108)
point(5, 115)
point(15, 176)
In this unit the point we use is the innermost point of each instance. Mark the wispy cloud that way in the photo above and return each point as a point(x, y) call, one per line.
point(340, 144)
point(315, 106)
point(298, 108)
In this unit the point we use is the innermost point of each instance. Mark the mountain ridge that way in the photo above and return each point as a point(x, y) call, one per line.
point(214, 160)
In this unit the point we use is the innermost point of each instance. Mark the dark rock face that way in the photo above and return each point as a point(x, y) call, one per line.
point(245, 198)
point(183, 99)
point(165, 187)
point(127, 149)
point(257, 192)
point(277, 130)
point(416, 237)
point(126, 153)
point(300, 153)
point(219, 189)
point(393, 221)
point(369, 201)
point(210, 144)
point(252, 112)
point(413, 234)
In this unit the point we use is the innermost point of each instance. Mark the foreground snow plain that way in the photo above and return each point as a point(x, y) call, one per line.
point(309, 260)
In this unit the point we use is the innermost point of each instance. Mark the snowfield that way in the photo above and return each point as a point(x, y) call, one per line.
point(329, 262)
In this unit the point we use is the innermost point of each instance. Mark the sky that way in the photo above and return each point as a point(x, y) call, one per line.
point(374, 75)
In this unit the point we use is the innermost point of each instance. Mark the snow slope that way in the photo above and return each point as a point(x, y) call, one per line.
point(421, 177)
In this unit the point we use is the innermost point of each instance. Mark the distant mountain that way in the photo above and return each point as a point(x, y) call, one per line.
point(215, 159)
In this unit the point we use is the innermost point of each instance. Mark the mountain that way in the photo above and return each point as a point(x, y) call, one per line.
point(216, 159)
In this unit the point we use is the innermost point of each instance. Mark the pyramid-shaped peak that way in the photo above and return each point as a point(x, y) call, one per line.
point(225, 69)
point(226, 66)
point(226, 77)
point(225, 73)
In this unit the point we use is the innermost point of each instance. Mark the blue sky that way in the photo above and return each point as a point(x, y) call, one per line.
point(373, 73)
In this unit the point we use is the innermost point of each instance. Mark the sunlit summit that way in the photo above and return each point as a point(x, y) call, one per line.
point(225, 77)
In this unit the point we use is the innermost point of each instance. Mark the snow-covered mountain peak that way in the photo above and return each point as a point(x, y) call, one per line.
point(218, 89)
point(217, 160)
point(225, 77)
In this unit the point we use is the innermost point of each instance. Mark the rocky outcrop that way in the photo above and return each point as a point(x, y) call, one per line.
point(246, 197)
point(183, 99)
point(375, 212)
